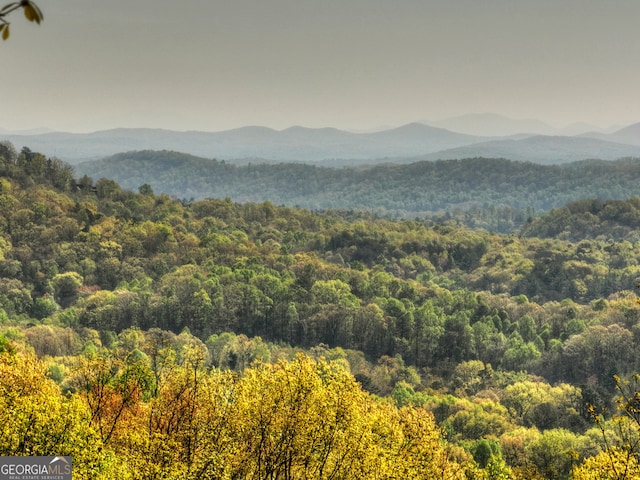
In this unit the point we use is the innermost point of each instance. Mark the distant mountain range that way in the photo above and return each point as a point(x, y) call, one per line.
point(330, 146)
point(494, 125)
point(629, 135)
point(546, 150)
point(295, 144)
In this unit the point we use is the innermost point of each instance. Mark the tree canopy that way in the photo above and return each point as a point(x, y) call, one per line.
point(196, 338)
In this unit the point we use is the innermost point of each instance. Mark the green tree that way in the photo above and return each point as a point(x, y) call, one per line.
point(599, 353)
point(557, 451)
point(66, 286)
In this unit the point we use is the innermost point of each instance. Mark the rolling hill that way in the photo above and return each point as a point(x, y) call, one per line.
point(410, 190)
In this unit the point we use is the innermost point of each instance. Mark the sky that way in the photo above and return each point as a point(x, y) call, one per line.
point(213, 65)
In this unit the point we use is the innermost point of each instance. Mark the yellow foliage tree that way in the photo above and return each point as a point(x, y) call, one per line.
point(307, 419)
point(298, 419)
point(620, 459)
point(303, 418)
point(37, 420)
point(612, 464)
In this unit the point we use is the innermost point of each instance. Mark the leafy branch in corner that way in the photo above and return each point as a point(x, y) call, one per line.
point(622, 442)
point(31, 12)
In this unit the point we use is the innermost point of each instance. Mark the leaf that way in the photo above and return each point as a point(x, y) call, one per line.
point(38, 12)
point(8, 7)
point(5, 32)
point(31, 13)
point(28, 12)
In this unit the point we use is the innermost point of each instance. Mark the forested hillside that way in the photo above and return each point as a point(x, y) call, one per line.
point(495, 194)
point(590, 219)
point(218, 339)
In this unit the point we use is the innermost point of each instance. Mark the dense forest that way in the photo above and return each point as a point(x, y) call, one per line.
point(211, 338)
point(496, 194)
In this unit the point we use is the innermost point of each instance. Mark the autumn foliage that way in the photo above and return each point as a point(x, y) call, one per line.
point(293, 419)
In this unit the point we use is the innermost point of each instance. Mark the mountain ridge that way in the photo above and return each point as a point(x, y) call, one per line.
point(542, 149)
point(333, 146)
point(296, 143)
point(493, 125)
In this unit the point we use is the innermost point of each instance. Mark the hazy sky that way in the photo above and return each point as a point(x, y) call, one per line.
point(355, 64)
